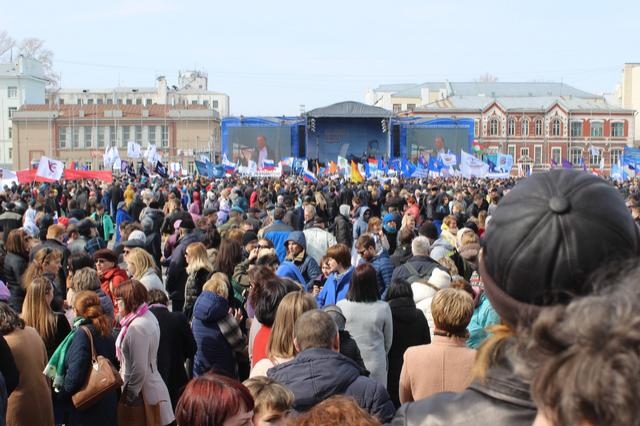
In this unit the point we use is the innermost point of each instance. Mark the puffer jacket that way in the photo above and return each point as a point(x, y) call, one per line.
point(423, 296)
point(213, 349)
point(502, 399)
point(384, 270)
point(316, 374)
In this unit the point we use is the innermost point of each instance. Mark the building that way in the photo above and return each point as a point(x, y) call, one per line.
point(406, 97)
point(628, 93)
point(540, 131)
point(82, 132)
point(21, 82)
point(192, 89)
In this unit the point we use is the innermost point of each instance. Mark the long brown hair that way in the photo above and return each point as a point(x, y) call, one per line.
point(36, 312)
point(229, 255)
point(87, 305)
point(281, 338)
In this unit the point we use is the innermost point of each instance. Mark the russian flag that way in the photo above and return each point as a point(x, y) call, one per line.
point(229, 168)
point(373, 164)
point(309, 177)
point(268, 165)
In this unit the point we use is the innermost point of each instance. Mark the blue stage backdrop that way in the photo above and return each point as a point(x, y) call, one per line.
point(429, 137)
point(335, 137)
point(240, 137)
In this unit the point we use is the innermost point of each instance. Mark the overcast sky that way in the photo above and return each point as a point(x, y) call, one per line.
point(272, 56)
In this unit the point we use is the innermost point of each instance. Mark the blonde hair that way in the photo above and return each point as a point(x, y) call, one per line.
point(36, 312)
point(198, 258)
point(218, 284)
point(469, 238)
point(291, 307)
point(448, 263)
point(450, 220)
point(142, 261)
point(85, 279)
point(452, 310)
point(268, 394)
point(374, 221)
point(35, 270)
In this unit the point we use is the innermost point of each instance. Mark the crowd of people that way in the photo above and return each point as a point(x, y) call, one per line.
point(244, 301)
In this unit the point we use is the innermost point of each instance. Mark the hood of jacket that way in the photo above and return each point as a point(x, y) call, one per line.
point(345, 210)
point(298, 238)
point(403, 309)
point(290, 270)
point(363, 210)
point(210, 307)
point(314, 375)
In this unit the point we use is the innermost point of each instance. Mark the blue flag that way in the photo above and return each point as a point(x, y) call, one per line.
point(202, 168)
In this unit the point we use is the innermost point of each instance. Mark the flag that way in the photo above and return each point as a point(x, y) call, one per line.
point(449, 159)
point(72, 166)
point(333, 167)
point(477, 148)
point(373, 164)
point(434, 165)
point(124, 166)
point(268, 165)
point(131, 171)
point(566, 164)
point(407, 168)
point(6, 174)
point(367, 170)
point(133, 150)
point(201, 168)
point(355, 173)
point(161, 169)
point(175, 167)
point(594, 151)
point(151, 154)
point(491, 164)
point(142, 170)
point(602, 163)
point(49, 168)
point(309, 177)
point(288, 161)
point(472, 166)
point(505, 162)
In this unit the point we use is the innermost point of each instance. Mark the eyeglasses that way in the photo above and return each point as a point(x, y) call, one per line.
point(263, 247)
point(102, 261)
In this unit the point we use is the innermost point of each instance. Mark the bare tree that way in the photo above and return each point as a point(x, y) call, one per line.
point(486, 78)
point(34, 48)
point(6, 43)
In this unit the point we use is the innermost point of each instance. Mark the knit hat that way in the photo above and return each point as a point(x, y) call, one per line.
point(439, 278)
point(429, 230)
point(248, 237)
point(547, 236)
point(187, 223)
point(107, 254)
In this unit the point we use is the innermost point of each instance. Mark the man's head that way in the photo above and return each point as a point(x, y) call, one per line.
point(316, 329)
point(439, 143)
point(309, 212)
point(420, 246)
point(366, 247)
point(261, 141)
point(278, 213)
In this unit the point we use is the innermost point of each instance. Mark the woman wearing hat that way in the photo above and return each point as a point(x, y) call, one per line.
point(111, 276)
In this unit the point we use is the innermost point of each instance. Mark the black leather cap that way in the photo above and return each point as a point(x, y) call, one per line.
point(548, 235)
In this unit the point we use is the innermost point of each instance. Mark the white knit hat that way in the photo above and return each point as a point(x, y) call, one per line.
point(440, 278)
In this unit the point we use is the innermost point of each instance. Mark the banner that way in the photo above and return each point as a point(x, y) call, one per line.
point(448, 160)
point(505, 162)
point(472, 166)
point(29, 175)
point(133, 150)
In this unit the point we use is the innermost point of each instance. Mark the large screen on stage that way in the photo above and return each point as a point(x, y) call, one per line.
point(343, 137)
point(258, 143)
point(433, 140)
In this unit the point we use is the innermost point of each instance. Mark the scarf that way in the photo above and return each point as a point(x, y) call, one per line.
point(125, 322)
point(55, 369)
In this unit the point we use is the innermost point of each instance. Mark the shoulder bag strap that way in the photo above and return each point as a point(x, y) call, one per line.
point(94, 358)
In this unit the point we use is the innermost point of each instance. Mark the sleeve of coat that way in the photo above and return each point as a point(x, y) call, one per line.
point(313, 270)
point(8, 367)
point(135, 350)
point(188, 341)
point(381, 405)
point(388, 328)
point(404, 387)
point(77, 361)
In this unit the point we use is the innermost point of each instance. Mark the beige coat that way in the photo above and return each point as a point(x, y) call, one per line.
point(442, 366)
point(139, 369)
point(30, 403)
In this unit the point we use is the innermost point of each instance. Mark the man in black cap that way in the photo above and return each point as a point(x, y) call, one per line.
point(177, 272)
point(547, 237)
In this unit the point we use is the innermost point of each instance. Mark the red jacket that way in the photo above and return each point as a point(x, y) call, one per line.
point(110, 280)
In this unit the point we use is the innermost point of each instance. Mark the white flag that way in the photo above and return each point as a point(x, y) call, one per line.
point(133, 150)
point(49, 168)
point(6, 174)
point(448, 159)
point(472, 166)
point(150, 153)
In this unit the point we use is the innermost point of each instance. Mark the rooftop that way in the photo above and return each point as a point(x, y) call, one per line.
point(128, 111)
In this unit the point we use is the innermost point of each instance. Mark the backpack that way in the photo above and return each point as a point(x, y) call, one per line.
point(416, 277)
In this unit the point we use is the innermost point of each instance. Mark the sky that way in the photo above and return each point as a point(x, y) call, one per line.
point(273, 57)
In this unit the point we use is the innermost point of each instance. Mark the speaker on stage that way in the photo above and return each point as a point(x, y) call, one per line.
point(396, 140)
point(302, 142)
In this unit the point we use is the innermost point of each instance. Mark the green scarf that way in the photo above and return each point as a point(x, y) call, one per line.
point(55, 369)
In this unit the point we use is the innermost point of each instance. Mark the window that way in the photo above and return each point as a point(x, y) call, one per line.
point(109, 101)
point(476, 128)
point(88, 165)
point(525, 127)
point(129, 101)
point(617, 130)
point(190, 167)
point(138, 130)
point(149, 101)
point(537, 154)
point(90, 101)
point(596, 129)
point(538, 127)
point(194, 102)
point(215, 104)
point(411, 107)
point(138, 101)
point(511, 150)
point(125, 135)
point(12, 92)
point(493, 127)
point(555, 127)
point(576, 128)
point(88, 137)
point(100, 131)
point(556, 156)
point(62, 137)
point(511, 127)
point(10, 153)
point(164, 141)
point(396, 107)
point(205, 103)
point(10, 132)
point(11, 111)
point(616, 155)
point(61, 101)
point(575, 156)
point(524, 152)
point(594, 158)
point(112, 136)
point(151, 135)
point(99, 101)
point(79, 101)
point(75, 137)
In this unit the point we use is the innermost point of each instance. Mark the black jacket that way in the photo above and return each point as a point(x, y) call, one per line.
point(424, 265)
point(14, 267)
point(8, 222)
point(316, 374)
point(8, 367)
point(502, 399)
point(192, 289)
point(177, 272)
point(349, 348)
point(176, 345)
point(410, 328)
point(401, 255)
point(342, 230)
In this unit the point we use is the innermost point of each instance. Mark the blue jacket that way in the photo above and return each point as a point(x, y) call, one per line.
point(360, 227)
point(483, 316)
point(307, 266)
point(277, 233)
point(334, 291)
point(78, 362)
point(213, 349)
point(290, 270)
point(121, 216)
point(316, 374)
point(384, 269)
